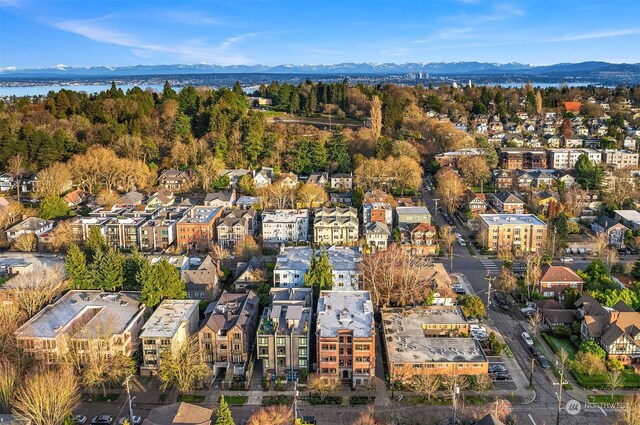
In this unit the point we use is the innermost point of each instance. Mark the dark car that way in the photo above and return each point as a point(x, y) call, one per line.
point(503, 305)
point(501, 376)
point(102, 419)
point(495, 368)
point(535, 351)
point(543, 361)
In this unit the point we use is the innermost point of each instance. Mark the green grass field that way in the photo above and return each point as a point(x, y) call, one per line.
point(235, 400)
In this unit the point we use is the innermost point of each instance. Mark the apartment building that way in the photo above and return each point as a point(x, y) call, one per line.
point(84, 318)
point(158, 233)
point(281, 226)
point(197, 228)
point(284, 333)
point(122, 232)
point(419, 240)
point(168, 328)
point(335, 226)
point(345, 337)
point(81, 226)
point(236, 226)
point(293, 263)
point(520, 232)
point(406, 216)
point(378, 207)
point(620, 158)
point(451, 159)
point(424, 341)
point(227, 333)
point(564, 159)
point(522, 158)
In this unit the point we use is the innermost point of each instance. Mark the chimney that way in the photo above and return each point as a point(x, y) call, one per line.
point(613, 316)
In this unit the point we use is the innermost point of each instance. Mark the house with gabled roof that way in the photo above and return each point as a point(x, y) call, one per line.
point(377, 235)
point(162, 198)
point(202, 283)
point(74, 198)
point(263, 177)
point(508, 203)
point(175, 180)
point(614, 231)
point(555, 279)
point(475, 202)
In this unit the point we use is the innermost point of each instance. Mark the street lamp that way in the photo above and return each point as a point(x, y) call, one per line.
point(490, 279)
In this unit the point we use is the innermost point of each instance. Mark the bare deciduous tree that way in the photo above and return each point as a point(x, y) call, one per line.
point(614, 380)
point(311, 194)
point(53, 180)
point(47, 396)
point(366, 418)
point(11, 317)
point(210, 168)
point(628, 415)
point(449, 189)
point(33, 290)
point(376, 117)
point(62, 236)
point(506, 280)
point(533, 272)
point(448, 236)
point(16, 170)
point(246, 248)
point(27, 242)
point(500, 408)
point(323, 387)
point(424, 385)
point(272, 415)
point(9, 376)
point(395, 278)
point(183, 367)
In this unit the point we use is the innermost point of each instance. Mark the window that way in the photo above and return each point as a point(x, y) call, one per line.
point(303, 363)
point(302, 342)
point(263, 340)
point(302, 352)
point(280, 341)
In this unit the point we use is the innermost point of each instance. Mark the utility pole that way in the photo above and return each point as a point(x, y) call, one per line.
point(490, 279)
point(553, 246)
point(435, 211)
point(126, 382)
point(531, 373)
point(295, 401)
point(562, 366)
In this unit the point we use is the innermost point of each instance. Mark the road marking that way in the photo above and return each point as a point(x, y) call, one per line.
point(534, 422)
point(602, 410)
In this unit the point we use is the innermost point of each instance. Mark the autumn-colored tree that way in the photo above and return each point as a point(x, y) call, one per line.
point(34, 289)
point(210, 168)
point(395, 278)
point(27, 242)
point(474, 170)
point(538, 102)
point(10, 214)
point(405, 173)
point(276, 196)
point(47, 396)
point(366, 418)
point(449, 189)
point(322, 387)
point(628, 415)
point(183, 368)
point(588, 363)
point(272, 415)
point(370, 173)
point(52, 181)
point(62, 236)
point(404, 148)
point(574, 200)
point(311, 194)
point(9, 378)
point(246, 248)
point(506, 280)
point(376, 117)
point(566, 128)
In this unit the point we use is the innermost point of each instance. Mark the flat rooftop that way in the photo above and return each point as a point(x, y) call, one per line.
point(299, 258)
point(289, 319)
point(406, 342)
point(434, 314)
point(168, 317)
point(85, 313)
point(200, 214)
point(629, 215)
point(284, 216)
point(350, 310)
point(517, 219)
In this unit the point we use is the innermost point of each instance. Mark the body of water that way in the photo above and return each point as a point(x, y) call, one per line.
point(88, 88)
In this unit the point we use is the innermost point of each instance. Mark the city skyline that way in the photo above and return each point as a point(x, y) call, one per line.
point(45, 34)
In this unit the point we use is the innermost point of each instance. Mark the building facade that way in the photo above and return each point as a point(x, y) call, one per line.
point(281, 226)
point(197, 228)
point(518, 232)
point(335, 226)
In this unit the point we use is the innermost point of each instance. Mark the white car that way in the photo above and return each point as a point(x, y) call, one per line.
point(567, 259)
point(462, 242)
point(527, 339)
point(476, 328)
point(135, 420)
point(79, 419)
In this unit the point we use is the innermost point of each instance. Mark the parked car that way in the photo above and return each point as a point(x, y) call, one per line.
point(79, 419)
point(102, 419)
point(527, 338)
point(501, 376)
point(543, 362)
point(528, 311)
point(462, 242)
point(494, 368)
point(535, 351)
point(473, 320)
point(566, 259)
point(473, 328)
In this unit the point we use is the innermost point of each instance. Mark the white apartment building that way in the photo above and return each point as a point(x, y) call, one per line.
point(168, 328)
point(563, 159)
point(281, 226)
point(620, 158)
point(293, 264)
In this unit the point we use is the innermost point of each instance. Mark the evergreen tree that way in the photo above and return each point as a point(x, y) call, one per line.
point(95, 242)
point(160, 282)
point(107, 271)
point(589, 176)
point(132, 265)
point(237, 89)
point(338, 158)
point(53, 207)
point(319, 276)
point(224, 413)
point(75, 263)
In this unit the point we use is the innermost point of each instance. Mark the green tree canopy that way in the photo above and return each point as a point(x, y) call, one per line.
point(319, 276)
point(223, 416)
point(588, 175)
point(472, 306)
point(75, 263)
point(54, 207)
point(158, 282)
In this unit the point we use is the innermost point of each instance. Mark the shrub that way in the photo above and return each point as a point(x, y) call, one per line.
point(588, 363)
point(575, 340)
point(614, 364)
point(593, 348)
point(561, 331)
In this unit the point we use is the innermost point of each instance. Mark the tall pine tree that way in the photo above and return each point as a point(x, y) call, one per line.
point(224, 413)
point(75, 263)
point(158, 282)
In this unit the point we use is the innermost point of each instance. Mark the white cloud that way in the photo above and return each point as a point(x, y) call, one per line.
point(595, 35)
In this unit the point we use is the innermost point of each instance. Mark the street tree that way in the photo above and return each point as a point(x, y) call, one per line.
point(424, 385)
point(272, 415)
point(322, 387)
point(474, 170)
point(183, 368)
point(506, 280)
point(449, 189)
point(447, 236)
point(614, 380)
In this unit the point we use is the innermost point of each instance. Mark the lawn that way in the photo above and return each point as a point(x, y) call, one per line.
point(470, 249)
point(191, 398)
point(606, 398)
point(557, 343)
point(235, 400)
point(3, 280)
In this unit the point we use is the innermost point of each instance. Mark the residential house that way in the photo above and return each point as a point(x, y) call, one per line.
point(377, 235)
point(508, 203)
point(288, 180)
point(197, 228)
point(592, 142)
point(220, 199)
point(179, 414)
point(547, 201)
point(293, 263)
point(554, 314)
point(129, 199)
point(227, 333)
point(281, 226)
point(630, 218)
point(88, 317)
point(29, 226)
point(504, 179)
point(571, 142)
point(235, 176)
point(263, 177)
point(247, 202)
point(319, 178)
point(476, 203)
point(427, 340)
point(555, 279)
point(421, 240)
point(519, 232)
point(249, 274)
point(615, 329)
point(340, 198)
point(175, 180)
point(202, 283)
point(7, 182)
point(160, 199)
point(74, 198)
point(378, 207)
point(345, 337)
point(614, 231)
point(412, 215)
point(524, 179)
point(284, 333)
point(335, 226)
point(341, 182)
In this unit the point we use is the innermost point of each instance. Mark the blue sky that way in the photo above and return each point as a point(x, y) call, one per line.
point(42, 33)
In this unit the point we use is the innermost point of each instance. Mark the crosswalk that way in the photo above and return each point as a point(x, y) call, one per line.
point(491, 267)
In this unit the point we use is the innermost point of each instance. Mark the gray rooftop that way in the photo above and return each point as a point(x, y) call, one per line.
point(284, 216)
point(200, 214)
point(168, 317)
point(84, 313)
point(299, 258)
point(351, 310)
point(406, 342)
point(519, 219)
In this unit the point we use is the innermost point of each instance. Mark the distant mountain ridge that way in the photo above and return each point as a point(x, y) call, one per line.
point(432, 68)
